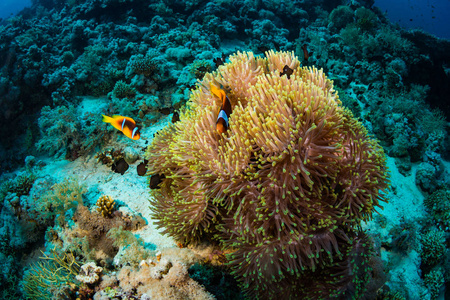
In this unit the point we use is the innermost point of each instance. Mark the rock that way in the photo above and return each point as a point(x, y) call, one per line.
point(131, 155)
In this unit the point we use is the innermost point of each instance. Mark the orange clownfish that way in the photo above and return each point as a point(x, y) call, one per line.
point(225, 110)
point(124, 124)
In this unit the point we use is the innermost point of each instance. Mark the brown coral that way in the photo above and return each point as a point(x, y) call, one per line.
point(286, 184)
point(89, 237)
point(105, 206)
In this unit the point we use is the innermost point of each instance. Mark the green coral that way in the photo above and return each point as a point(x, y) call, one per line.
point(199, 68)
point(77, 134)
point(133, 248)
point(434, 281)
point(62, 122)
point(433, 246)
point(143, 65)
point(438, 204)
point(341, 16)
point(365, 19)
point(61, 198)
point(20, 185)
point(123, 90)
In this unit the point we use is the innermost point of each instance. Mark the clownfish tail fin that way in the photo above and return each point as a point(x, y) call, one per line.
point(107, 119)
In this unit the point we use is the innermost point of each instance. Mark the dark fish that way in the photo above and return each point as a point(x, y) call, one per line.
point(306, 54)
point(165, 110)
point(142, 168)
point(120, 166)
point(287, 71)
point(155, 180)
point(263, 49)
point(220, 60)
point(175, 117)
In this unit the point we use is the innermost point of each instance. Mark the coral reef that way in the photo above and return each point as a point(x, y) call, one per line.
point(434, 280)
point(433, 247)
point(123, 90)
point(77, 135)
point(105, 206)
point(89, 273)
point(90, 237)
point(438, 204)
point(132, 250)
point(167, 279)
point(284, 187)
point(65, 63)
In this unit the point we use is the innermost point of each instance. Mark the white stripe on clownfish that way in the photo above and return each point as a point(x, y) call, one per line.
point(123, 123)
point(223, 115)
point(134, 132)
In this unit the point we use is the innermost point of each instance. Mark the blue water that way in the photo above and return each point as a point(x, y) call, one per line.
point(432, 16)
point(11, 7)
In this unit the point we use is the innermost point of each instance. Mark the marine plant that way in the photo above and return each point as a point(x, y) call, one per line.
point(285, 187)
point(51, 274)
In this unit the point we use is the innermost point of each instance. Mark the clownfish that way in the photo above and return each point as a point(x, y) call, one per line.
point(124, 124)
point(225, 110)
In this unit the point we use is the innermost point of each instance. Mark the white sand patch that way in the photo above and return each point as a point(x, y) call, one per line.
point(405, 206)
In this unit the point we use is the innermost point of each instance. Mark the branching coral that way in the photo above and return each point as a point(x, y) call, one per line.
point(143, 65)
point(123, 90)
point(105, 206)
point(433, 247)
point(438, 204)
point(284, 187)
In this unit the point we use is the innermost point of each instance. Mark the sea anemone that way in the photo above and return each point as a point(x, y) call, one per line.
point(283, 187)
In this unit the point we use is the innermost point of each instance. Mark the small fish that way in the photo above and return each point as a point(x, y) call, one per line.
point(175, 117)
point(120, 166)
point(287, 71)
point(125, 124)
point(219, 60)
point(263, 49)
point(142, 168)
point(164, 110)
point(225, 110)
point(155, 180)
point(306, 54)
